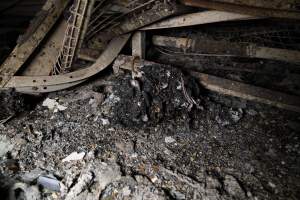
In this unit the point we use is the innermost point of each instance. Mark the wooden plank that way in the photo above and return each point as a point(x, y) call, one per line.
point(225, 48)
point(50, 13)
point(225, 86)
point(249, 92)
point(243, 9)
point(203, 17)
point(139, 44)
point(42, 63)
point(274, 4)
point(275, 54)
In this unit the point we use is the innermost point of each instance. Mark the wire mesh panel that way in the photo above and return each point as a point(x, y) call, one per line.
point(275, 35)
point(72, 34)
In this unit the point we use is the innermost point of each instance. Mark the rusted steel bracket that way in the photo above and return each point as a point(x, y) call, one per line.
point(266, 8)
point(224, 86)
point(43, 84)
point(53, 10)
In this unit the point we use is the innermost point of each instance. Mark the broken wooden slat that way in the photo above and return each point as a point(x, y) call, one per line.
point(225, 86)
point(248, 9)
point(139, 44)
point(204, 17)
point(52, 11)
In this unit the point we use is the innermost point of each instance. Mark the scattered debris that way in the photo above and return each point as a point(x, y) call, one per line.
point(192, 127)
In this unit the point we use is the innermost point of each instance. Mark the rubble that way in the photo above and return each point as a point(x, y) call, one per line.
point(52, 104)
point(209, 111)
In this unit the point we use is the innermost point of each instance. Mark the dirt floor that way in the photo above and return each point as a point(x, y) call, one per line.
point(158, 136)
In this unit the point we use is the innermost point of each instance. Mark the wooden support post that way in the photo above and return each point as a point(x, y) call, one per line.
point(139, 44)
point(226, 87)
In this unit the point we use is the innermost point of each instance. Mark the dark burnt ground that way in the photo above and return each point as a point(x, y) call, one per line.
point(11, 103)
point(226, 149)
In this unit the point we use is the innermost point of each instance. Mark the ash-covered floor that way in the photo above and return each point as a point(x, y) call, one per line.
point(160, 136)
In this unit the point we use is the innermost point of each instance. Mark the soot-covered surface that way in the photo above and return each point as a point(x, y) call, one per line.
point(143, 140)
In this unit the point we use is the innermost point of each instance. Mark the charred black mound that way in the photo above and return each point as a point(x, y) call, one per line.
point(156, 96)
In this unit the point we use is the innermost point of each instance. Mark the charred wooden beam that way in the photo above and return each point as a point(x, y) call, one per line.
point(224, 86)
point(224, 48)
point(274, 8)
point(139, 44)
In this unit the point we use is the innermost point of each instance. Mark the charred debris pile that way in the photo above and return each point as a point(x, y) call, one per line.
point(160, 99)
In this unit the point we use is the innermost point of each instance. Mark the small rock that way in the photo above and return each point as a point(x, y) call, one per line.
point(272, 185)
point(105, 122)
point(32, 175)
point(5, 145)
point(126, 191)
point(49, 183)
point(177, 195)
point(233, 188)
point(169, 140)
point(52, 104)
point(236, 115)
point(251, 112)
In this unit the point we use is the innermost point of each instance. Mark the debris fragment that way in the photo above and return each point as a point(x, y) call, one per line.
point(74, 156)
point(5, 145)
point(49, 183)
point(52, 104)
point(169, 140)
point(233, 187)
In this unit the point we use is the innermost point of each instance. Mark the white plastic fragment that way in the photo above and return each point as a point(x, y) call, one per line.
point(52, 104)
point(74, 156)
